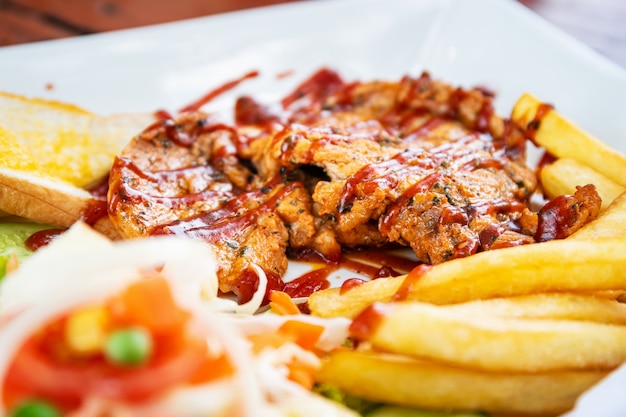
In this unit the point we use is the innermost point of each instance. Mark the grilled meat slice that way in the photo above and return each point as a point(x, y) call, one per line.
point(416, 162)
point(183, 177)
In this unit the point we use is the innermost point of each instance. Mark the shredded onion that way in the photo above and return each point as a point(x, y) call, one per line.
point(82, 267)
point(59, 281)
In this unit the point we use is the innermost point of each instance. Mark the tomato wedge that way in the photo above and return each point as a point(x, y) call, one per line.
point(67, 383)
point(45, 368)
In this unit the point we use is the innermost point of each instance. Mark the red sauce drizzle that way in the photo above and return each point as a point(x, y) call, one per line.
point(365, 324)
point(310, 282)
point(160, 176)
point(122, 193)
point(427, 127)
point(101, 189)
point(195, 106)
point(453, 214)
point(489, 235)
point(249, 112)
point(493, 207)
point(163, 115)
point(484, 116)
point(316, 89)
point(348, 284)
point(226, 223)
point(535, 123)
point(384, 258)
point(400, 203)
point(385, 174)
point(42, 238)
point(546, 159)
point(368, 270)
point(249, 283)
point(411, 279)
point(176, 134)
point(284, 74)
point(318, 278)
point(554, 219)
point(94, 211)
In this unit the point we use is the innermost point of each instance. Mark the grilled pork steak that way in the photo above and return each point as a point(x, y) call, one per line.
point(416, 163)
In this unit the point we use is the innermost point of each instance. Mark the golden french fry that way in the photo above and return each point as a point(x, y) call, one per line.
point(556, 306)
point(481, 341)
point(559, 265)
point(333, 303)
point(610, 223)
point(571, 265)
point(564, 139)
point(411, 382)
point(562, 177)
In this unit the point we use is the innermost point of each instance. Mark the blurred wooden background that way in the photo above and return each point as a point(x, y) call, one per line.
point(24, 21)
point(599, 23)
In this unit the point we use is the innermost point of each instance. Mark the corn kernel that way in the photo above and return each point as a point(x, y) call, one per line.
point(86, 330)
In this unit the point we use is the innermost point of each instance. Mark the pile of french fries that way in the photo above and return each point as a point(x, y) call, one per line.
point(515, 331)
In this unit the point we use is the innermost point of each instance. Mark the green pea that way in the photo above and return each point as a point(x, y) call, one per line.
point(35, 408)
point(128, 346)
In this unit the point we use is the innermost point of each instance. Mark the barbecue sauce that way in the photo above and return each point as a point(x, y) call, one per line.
point(533, 126)
point(366, 323)
point(211, 95)
point(427, 167)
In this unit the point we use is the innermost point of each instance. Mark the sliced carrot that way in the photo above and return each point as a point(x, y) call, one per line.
point(282, 304)
point(304, 334)
point(302, 373)
point(149, 302)
point(266, 340)
point(213, 368)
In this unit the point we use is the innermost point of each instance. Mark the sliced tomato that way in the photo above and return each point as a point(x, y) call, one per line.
point(33, 373)
point(44, 367)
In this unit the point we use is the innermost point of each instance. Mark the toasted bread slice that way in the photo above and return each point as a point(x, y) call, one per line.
point(52, 151)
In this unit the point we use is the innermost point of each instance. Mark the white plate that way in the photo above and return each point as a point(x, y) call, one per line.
point(496, 43)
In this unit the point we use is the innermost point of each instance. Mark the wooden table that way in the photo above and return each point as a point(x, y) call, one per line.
point(598, 23)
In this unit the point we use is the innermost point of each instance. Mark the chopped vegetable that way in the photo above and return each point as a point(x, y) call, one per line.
point(129, 347)
point(35, 408)
point(304, 334)
point(358, 404)
point(282, 304)
point(12, 238)
point(86, 330)
point(392, 411)
point(149, 303)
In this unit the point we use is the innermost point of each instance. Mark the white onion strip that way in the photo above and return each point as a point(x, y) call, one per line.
point(82, 267)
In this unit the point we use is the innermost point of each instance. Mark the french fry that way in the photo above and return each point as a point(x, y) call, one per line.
point(564, 139)
point(610, 223)
point(412, 382)
point(481, 341)
point(521, 270)
point(554, 306)
point(562, 177)
point(559, 265)
point(333, 303)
